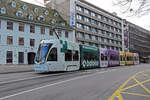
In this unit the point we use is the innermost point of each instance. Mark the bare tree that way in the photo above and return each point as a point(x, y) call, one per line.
point(134, 7)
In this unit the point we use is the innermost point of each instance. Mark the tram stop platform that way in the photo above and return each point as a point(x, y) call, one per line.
point(4, 69)
point(137, 87)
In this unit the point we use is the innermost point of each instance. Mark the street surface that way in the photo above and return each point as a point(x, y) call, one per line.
point(115, 83)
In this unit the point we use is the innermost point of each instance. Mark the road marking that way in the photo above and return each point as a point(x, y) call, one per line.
point(23, 79)
point(144, 87)
point(136, 94)
point(122, 88)
point(53, 84)
point(146, 75)
point(134, 85)
point(6, 82)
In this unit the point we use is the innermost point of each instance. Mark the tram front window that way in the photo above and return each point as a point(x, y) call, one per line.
point(42, 52)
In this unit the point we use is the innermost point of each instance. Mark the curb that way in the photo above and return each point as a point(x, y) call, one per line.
point(16, 72)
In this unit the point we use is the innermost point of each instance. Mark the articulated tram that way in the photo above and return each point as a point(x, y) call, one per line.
point(122, 58)
point(129, 58)
point(61, 55)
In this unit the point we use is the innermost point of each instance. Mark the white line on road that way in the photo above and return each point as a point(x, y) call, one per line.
point(57, 83)
point(23, 79)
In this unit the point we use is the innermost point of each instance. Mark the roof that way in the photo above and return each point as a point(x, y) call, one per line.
point(20, 10)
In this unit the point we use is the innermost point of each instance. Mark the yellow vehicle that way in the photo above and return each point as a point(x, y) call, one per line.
point(129, 58)
point(122, 58)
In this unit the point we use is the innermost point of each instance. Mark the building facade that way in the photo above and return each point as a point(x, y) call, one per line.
point(139, 40)
point(94, 26)
point(23, 26)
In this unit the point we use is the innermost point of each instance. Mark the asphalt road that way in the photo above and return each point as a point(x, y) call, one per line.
point(95, 84)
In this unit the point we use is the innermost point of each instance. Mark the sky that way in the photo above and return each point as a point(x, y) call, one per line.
point(107, 5)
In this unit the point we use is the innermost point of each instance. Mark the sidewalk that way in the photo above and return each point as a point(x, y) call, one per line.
point(4, 69)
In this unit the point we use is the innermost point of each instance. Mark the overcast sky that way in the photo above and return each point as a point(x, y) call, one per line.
point(143, 21)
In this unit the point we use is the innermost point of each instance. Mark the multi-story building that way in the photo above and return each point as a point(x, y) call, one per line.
point(94, 26)
point(139, 40)
point(125, 35)
point(23, 26)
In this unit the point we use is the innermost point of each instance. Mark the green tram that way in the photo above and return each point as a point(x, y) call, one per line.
point(89, 57)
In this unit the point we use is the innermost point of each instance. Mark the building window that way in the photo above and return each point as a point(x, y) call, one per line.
point(42, 30)
point(51, 32)
point(90, 37)
point(86, 19)
point(79, 8)
point(30, 17)
point(32, 41)
point(93, 14)
point(79, 17)
point(21, 41)
point(19, 14)
point(94, 30)
point(86, 11)
point(105, 19)
point(99, 31)
point(9, 40)
point(10, 25)
point(96, 38)
point(41, 18)
point(99, 17)
point(32, 29)
point(66, 34)
point(21, 27)
point(87, 28)
point(20, 57)
point(9, 58)
point(93, 22)
point(82, 35)
point(79, 26)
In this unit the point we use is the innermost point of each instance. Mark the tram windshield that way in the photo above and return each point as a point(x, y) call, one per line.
point(42, 52)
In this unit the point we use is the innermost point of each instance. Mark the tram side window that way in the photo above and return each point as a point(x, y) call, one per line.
point(129, 58)
point(52, 55)
point(114, 57)
point(122, 58)
point(68, 55)
point(76, 56)
point(105, 58)
point(102, 57)
point(90, 56)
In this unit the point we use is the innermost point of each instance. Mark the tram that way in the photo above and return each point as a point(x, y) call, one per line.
point(57, 55)
point(122, 58)
point(136, 58)
point(113, 58)
point(62, 55)
point(129, 58)
point(103, 58)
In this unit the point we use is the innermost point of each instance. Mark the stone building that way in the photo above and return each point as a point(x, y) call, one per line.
point(23, 26)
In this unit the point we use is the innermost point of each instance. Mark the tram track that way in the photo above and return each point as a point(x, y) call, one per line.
point(15, 86)
point(30, 78)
